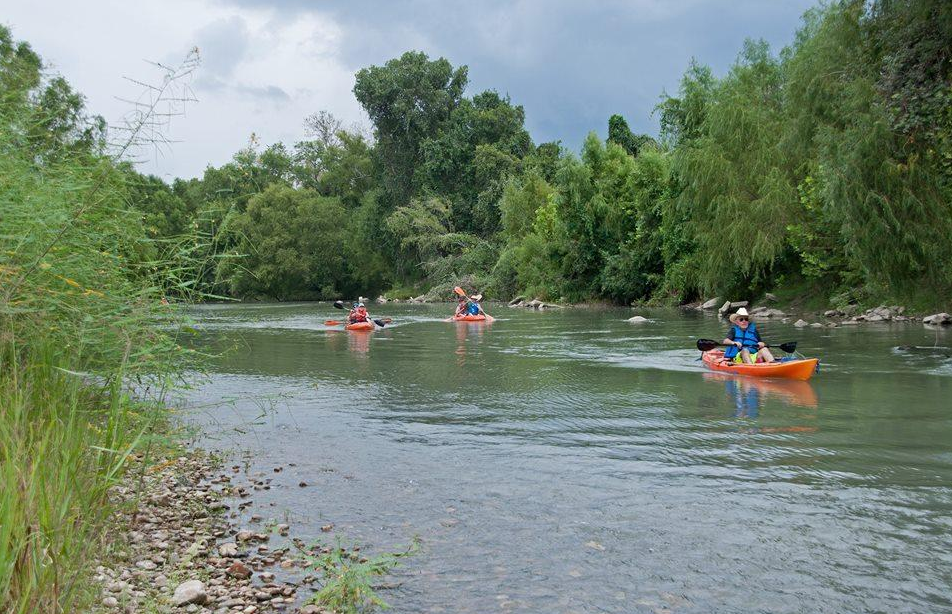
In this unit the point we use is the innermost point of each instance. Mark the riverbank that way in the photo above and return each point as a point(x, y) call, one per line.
point(184, 543)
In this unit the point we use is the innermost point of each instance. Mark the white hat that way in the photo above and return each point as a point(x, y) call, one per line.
point(738, 313)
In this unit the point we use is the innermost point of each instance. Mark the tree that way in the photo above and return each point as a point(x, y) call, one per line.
point(292, 246)
point(408, 100)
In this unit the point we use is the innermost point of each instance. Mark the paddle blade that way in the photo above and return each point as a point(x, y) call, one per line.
point(706, 345)
point(332, 323)
point(789, 347)
point(459, 291)
point(338, 304)
point(380, 323)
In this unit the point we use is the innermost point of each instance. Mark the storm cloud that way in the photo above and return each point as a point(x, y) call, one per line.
point(267, 64)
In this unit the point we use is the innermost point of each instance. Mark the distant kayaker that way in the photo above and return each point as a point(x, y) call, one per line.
point(744, 340)
point(358, 314)
point(469, 306)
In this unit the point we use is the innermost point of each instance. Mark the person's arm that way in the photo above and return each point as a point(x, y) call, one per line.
point(729, 339)
point(760, 342)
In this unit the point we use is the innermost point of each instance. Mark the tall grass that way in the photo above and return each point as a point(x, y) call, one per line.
point(83, 320)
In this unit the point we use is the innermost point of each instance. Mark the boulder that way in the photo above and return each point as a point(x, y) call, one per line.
point(711, 304)
point(637, 319)
point(770, 313)
point(534, 303)
point(832, 313)
point(229, 550)
point(192, 591)
point(875, 317)
point(381, 300)
point(516, 300)
point(816, 325)
point(730, 307)
point(770, 298)
point(801, 323)
point(938, 319)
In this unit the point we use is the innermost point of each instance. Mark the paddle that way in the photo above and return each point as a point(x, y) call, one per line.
point(340, 305)
point(706, 345)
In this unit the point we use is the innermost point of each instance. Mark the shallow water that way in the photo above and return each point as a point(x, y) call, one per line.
point(569, 461)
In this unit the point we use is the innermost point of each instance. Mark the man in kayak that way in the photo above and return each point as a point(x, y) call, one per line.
point(469, 306)
point(358, 314)
point(744, 340)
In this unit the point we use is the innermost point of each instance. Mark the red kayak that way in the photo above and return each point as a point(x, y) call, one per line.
point(470, 318)
point(802, 369)
point(361, 326)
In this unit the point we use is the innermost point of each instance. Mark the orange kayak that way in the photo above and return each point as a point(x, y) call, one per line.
point(792, 369)
point(470, 318)
point(360, 326)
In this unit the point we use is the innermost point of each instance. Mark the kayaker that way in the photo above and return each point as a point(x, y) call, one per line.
point(469, 306)
point(358, 314)
point(744, 339)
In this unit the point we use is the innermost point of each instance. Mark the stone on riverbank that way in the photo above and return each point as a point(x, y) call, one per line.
point(938, 319)
point(711, 304)
point(730, 307)
point(192, 591)
point(801, 323)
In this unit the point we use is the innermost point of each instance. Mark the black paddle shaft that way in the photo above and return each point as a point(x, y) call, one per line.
point(706, 345)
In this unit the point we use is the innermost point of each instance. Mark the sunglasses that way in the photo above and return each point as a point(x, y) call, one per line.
point(742, 320)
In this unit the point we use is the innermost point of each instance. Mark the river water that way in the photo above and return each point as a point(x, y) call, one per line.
point(568, 461)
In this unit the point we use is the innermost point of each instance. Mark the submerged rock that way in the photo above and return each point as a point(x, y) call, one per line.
point(637, 319)
point(801, 323)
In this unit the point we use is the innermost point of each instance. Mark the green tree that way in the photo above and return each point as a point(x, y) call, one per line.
point(408, 100)
point(291, 247)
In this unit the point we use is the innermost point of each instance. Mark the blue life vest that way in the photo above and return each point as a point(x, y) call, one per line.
point(472, 308)
point(747, 337)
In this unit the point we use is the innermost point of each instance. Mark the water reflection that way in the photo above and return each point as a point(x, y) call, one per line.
point(749, 393)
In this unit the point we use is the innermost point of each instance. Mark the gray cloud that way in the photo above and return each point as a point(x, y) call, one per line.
point(571, 64)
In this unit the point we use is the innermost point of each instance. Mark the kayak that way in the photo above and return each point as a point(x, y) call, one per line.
point(470, 318)
point(802, 369)
point(360, 326)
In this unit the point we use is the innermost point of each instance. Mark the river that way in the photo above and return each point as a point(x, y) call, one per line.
point(568, 461)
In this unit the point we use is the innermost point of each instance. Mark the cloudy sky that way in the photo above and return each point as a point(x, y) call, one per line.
point(267, 64)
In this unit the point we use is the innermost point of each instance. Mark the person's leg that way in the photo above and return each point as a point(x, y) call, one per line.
point(745, 356)
point(764, 355)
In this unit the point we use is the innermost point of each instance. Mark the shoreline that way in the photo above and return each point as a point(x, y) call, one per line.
point(181, 545)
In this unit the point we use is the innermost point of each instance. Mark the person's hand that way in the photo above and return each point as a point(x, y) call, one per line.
point(761, 345)
point(739, 344)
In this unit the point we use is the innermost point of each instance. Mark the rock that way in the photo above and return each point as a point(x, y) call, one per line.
point(381, 300)
point(637, 319)
point(832, 313)
point(516, 300)
point(801, 323)
point(770, 298)
point(534, 303)
point(192, 591)
point(110, 602)
point(875, 318)
point(711, 304)
point(302, 484)
point(147, 565)
point(311, 609)
point(816, 325)
point(730, 307)
point(239, 570)
point(283, 529)
point(244, 536)
point(229, 550)
point(938, 319)
point(771, 313)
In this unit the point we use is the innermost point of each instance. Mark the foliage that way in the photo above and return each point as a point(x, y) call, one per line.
point(348, 576)
point(292, 246)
